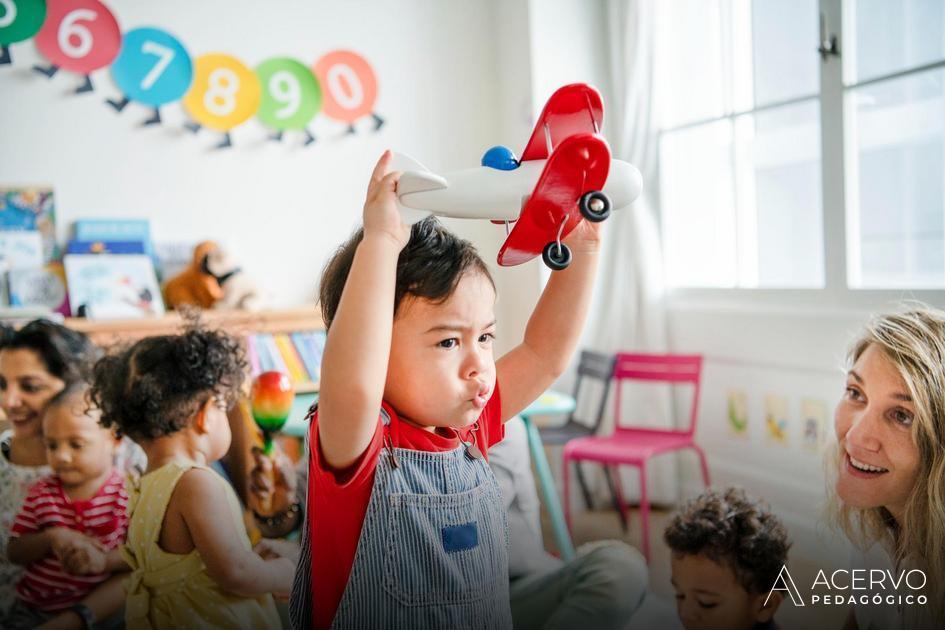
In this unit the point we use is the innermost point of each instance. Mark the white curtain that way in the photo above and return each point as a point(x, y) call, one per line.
point(628, 313)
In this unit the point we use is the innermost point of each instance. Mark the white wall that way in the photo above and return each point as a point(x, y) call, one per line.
point(281, 207)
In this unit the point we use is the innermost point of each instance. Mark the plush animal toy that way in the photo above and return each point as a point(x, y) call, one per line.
point(194, 285)
point(212, 280)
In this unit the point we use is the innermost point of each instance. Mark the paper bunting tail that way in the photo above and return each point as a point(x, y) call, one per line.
point(86, 86)
point(48, 71)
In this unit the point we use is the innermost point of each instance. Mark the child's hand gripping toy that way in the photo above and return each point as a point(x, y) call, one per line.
point(565, 174)
point(271, 401)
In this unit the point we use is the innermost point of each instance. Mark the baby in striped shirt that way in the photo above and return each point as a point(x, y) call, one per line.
point(72, 524)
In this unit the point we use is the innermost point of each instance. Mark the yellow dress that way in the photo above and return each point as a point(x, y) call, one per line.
point(169, 590)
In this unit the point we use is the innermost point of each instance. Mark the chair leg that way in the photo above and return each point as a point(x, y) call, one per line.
point(703, 464)
point(620, 509)
point(644, 514)
point(585, 491)
point(614, 473)
point(566, 482)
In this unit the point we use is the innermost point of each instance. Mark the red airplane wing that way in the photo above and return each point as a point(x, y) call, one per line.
point(579, 164)
point(572, 109)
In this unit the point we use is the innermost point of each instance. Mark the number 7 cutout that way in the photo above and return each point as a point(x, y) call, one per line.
point(349, 88)
point(80, 36)
point(291, 97)
point(153, 69)
point(224, 94)
point(19, 20)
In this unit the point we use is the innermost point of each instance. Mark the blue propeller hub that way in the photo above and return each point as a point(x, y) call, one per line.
point(500, 158)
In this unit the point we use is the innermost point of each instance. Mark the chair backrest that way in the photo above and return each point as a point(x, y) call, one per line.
point(594, 365)
point(663, 368)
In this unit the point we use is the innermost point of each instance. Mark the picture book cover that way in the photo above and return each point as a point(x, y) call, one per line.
point(37, 287)
point(21, 249)
point(105, 247)
point(31, 208)
point(109, 286)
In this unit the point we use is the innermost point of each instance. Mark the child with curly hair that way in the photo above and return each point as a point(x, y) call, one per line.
point(727, 553)
point(192, 564)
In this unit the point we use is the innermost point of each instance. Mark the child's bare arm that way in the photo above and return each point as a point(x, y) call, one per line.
point(206, 513)
point(29, 548)
point(554, 328)
point(354, 364)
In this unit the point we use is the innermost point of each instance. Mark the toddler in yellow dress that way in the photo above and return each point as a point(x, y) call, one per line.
point(192, 564)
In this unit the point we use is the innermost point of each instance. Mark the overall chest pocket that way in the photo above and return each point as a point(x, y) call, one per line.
point(448, 548)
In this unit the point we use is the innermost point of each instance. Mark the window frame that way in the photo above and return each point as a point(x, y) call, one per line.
point(837, 172)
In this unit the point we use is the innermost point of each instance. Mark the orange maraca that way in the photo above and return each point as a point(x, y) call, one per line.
point(271, 401)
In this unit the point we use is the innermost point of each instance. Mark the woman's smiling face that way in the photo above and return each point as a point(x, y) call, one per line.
point(25, 387)
point(879, 459)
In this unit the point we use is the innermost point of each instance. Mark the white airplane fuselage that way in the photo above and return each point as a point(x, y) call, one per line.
point(489, 193)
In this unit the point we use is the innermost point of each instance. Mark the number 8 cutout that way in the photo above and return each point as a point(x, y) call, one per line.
point(153, 69)
point(291, 96)
point(80, 36)
point(224, 94)
point(349, 87)
point(19, 20)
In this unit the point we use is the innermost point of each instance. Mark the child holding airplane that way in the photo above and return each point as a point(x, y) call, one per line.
point(405, 522)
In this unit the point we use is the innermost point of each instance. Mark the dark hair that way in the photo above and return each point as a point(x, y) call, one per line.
point(429, 267)
point(156, 387)
point(73, 391)
point(67, 354)
point(731, 529)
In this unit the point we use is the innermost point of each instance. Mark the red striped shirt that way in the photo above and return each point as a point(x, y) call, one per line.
point(45, 585)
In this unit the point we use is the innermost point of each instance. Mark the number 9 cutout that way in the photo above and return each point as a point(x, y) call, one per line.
point(80, 36)
point(19, 20)
point(291, 96)
point(224, 94)
point(349, 87)
point(153, 69)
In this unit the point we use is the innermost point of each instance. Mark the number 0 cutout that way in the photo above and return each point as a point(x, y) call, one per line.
point(349, 86)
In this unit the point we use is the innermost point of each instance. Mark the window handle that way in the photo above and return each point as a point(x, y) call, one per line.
point(828, 45)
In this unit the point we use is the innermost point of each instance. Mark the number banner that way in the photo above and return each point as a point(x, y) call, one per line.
point(224, 94)
point(153, 67)
point(291, 95)
point(79, 35)
point(20, 19)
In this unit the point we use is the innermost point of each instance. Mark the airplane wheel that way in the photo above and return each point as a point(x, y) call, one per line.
point(594, 206)
point(556, 259)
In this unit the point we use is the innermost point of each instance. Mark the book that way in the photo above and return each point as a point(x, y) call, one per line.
point(105, 247)
point(31, 208)
point(296, 369)
point(268, 344)
point(252, 355)
point(308, 345)
point(36, 287)
point(109, 286)
point(118, 230)
point(21, 249)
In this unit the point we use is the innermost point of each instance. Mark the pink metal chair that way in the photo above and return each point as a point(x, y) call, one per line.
point(633, 446)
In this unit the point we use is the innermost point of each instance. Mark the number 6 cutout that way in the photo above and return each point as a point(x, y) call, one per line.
point(80, 36)
point(349, 87)
point(224, 94)
point(153, 69)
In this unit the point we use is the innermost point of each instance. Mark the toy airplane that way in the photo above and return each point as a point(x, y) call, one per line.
point(565, 175)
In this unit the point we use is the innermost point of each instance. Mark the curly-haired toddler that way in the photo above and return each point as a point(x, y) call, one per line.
point(192, 564)
point(727, 554)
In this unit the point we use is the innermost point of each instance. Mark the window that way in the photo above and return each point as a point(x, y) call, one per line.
point(742, 133)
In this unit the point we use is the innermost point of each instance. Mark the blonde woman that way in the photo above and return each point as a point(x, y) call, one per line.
point(890, 464)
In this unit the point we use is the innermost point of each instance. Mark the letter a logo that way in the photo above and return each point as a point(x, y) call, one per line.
point(787, 584)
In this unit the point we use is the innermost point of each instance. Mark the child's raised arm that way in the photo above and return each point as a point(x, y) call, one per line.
point(205, 510)
point(554, 328)
point(354, 364)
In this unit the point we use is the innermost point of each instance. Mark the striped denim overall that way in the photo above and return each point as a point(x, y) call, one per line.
point(433, 551)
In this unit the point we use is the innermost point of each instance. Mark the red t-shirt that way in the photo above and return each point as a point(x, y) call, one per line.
point(45, 585)
point(338, 500)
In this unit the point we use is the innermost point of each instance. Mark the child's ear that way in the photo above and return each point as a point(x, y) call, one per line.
point(202, 419)
point(766, 611)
